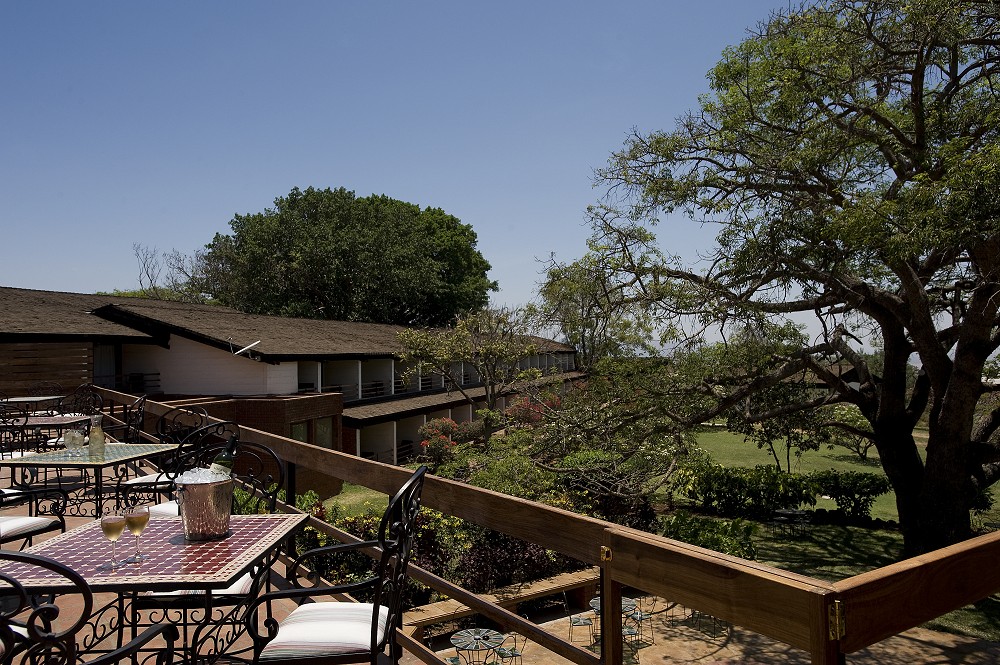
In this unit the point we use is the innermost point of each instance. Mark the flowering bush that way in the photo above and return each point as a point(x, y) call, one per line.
point(436, 441)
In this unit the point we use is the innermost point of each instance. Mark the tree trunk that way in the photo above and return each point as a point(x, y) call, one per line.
point(905, 470)
point(933, 498)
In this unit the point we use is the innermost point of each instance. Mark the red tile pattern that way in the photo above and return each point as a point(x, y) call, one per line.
point(173, 563)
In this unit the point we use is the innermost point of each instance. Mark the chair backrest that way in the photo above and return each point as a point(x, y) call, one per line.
point(82, 400)
point(188, 454)
point(135, 416)
point(38, 626)
point(12, 422)
point(395, 535)
point(192, 446)
point(41, 632)
point(180, 421)
point(259, 472)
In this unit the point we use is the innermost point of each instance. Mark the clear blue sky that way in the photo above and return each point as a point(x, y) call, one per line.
point(156, 122)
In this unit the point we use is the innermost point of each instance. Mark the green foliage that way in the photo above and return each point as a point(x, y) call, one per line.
point(329, 254)
point(853, 491)
point(849, 153)
point(734, 537)
point(844, 426)
point(436, 442)
point(583, 300)
point(490, 343)
point(755, 492)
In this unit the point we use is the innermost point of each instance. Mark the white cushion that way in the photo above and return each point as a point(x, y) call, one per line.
point(240, 587)
point(165, 509)
point(16, 454)
point(16, 525)
point(325, 629)
point(158, 478)
point(61, 440)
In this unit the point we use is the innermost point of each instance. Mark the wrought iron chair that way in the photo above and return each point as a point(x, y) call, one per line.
point(259, 474)
point(14, 441)
point(343, 632)
point(578, 620)
point(158, 487)
point(44, 628)
point(83, 401)
point(129, 430)
point(511, 650)
point(44, 389)
point(174, 425)
point(46, 513)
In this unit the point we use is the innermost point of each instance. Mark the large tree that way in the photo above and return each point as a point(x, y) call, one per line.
point(330, 254)
point(492, 343)
point(849, 154)
point(586, 305)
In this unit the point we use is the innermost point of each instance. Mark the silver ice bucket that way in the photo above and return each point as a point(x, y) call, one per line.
point(205, 508)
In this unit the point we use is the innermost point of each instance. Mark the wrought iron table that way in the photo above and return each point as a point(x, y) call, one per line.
point(36, 402)
point(479, 643)
point(118, 457)
point(172, 564)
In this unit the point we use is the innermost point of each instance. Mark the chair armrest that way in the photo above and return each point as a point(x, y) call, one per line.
point(166, 655)
point(300, 593)
point(36, 496)
point(327, 550)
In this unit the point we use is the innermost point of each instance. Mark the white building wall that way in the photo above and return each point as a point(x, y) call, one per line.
point(190, 368)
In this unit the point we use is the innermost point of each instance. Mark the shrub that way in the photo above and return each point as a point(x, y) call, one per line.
point(853, 491)
point(734, 537)
point(436, 441)
point(747, 492)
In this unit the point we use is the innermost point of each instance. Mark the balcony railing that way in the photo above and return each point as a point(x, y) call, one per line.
point(825, 619)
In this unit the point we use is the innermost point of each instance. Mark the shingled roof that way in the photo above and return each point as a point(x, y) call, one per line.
point(56, 316)
point(53, 316)
point(280, 338)
point(372, 413)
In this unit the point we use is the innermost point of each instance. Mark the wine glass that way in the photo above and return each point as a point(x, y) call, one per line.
point(113, 526)
point(136, 519)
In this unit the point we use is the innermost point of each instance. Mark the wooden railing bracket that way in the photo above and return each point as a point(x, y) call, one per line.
point(837, 620)
point(606, 554)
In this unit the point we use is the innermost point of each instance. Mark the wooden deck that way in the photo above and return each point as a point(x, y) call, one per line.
point(582, 582)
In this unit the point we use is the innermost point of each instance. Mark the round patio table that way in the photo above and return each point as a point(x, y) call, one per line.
point(479, 642)
point(628, 604)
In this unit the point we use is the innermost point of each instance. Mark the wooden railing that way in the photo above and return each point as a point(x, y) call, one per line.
point(827, 620)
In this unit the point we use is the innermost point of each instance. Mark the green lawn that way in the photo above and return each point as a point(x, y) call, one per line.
point(355, 499)
point(836, 552)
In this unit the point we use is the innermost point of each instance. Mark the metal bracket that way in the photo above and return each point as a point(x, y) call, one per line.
point(606, 554)
point(837, 620)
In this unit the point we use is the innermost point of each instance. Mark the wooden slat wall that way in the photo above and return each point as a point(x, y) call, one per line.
point(22, 365)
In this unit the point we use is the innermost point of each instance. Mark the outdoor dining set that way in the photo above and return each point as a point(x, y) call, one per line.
point(196, 584)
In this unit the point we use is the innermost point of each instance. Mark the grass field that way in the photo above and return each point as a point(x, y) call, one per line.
point(836, 552)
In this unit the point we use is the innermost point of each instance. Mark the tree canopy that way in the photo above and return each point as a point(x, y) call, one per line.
point(848, 153)
point(330, 254)
point(492, 343)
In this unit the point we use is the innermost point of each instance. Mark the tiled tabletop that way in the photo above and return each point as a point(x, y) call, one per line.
point(113, 454)
point(173, 563)
point(54, 421)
